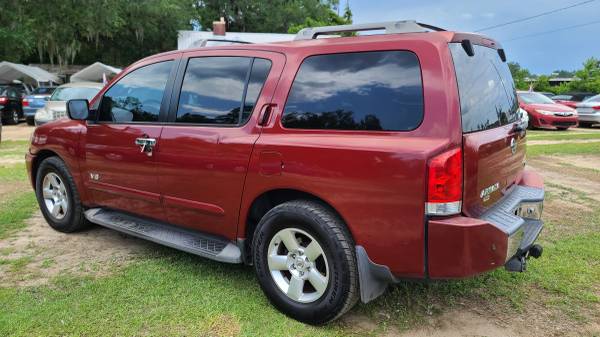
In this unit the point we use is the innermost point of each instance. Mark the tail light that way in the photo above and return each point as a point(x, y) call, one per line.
point(597, 107)
point(25, 102)
point(3, 100)
point(444, 184)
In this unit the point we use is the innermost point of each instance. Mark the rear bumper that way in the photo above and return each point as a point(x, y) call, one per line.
point(29, 112)
point(463, 246)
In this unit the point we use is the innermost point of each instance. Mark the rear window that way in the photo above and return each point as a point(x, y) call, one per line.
point(357, 91)
point(487, 94)
point(43, 91)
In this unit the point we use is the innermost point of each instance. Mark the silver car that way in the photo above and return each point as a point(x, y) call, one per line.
point(56, 106)
point(589, 111)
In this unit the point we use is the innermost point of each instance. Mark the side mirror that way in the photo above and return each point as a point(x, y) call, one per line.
point(78, 109)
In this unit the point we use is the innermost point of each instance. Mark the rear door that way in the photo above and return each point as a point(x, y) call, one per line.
point(120, 174)
point(494, 151)
point(206, 146)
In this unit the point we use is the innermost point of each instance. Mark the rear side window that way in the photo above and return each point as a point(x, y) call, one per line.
point(488, 97)
point(215, 89)
point(137, 96)
point(379, 90)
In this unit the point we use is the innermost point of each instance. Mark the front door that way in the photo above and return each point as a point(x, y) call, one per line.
point(122, 147)
point(206, 146)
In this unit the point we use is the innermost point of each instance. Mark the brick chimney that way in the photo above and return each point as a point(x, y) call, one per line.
point(219, 27)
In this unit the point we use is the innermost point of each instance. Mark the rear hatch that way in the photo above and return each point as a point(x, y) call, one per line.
point(493, 147)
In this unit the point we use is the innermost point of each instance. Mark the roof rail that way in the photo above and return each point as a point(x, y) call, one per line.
point(390, 27)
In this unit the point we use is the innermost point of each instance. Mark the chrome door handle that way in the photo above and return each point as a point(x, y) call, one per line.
point(146, 145)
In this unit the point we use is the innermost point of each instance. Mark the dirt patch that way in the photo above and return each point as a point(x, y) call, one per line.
point(552, 142)
point(585, 181)
point(591, 162)
point(458, 324)
point(21, 131)
point(8, 161)
point(6, 189)
point(38, 253)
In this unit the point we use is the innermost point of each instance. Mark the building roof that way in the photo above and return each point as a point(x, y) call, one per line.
point(95, 73)
point(32, 75)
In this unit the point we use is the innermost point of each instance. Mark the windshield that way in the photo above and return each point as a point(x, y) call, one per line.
point(593, 99)
point(67, 93)
point(487, 94)
point(534, 98)
point(43, 91)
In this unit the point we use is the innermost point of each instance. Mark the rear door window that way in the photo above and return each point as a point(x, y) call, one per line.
point(380, 91)
point(488, 97)
point(216, 89)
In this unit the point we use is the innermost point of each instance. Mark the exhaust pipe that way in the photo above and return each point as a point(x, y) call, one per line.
point(519, 262)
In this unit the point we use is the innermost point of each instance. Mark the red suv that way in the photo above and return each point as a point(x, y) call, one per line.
point(333, 166)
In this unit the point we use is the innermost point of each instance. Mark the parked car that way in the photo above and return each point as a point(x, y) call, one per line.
point(11, 111)
point(36, 100)
point(333, 166)
point(55, 107)
point(545, 113)
point(589, 111)
point(571, 99)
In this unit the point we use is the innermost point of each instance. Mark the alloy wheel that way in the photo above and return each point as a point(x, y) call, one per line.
point(298, 265)
point(55, 196)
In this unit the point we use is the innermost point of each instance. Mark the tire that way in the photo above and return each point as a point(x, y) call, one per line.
point(71, 218)
point(30, 121)
point(585, 124)
point(13, 118)
point(307, 221)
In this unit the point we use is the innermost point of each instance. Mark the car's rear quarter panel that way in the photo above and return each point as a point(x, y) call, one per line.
point(375, 180)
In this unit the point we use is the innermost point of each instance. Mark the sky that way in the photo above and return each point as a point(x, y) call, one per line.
point(541, 54)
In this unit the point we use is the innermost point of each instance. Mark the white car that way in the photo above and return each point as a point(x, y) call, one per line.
point(56, 106)
point(589, 111)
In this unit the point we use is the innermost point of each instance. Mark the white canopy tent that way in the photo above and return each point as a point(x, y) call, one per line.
point(97, 72)
point(31, 75)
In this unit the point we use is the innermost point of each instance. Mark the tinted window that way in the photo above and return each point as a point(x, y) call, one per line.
point(213, 89)
point(357, 91)
point(487, 94)
point(258, 76)
point(137, 96)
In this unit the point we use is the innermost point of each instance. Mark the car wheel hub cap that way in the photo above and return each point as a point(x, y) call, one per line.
point(55, 196)
point(298, 265)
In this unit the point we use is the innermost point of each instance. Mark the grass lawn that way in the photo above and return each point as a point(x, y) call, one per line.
point(166, 292)
point(564, 148)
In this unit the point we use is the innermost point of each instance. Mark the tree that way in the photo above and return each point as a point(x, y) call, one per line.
point(332, 19)
point(543, 84)
point(266, 16)
point(588, 78)
point(519, 75)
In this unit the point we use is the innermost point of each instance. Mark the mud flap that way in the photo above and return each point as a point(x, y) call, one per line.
point(373, 278)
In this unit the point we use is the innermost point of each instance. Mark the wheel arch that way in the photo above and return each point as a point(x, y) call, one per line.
point(266, 201)
point(39, 157)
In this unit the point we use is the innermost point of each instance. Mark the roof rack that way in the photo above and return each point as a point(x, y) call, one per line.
point(390, 27)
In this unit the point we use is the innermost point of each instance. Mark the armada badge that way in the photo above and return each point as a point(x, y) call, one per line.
point(486, 192)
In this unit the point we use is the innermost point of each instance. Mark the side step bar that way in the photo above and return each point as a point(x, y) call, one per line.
point(205, 245)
